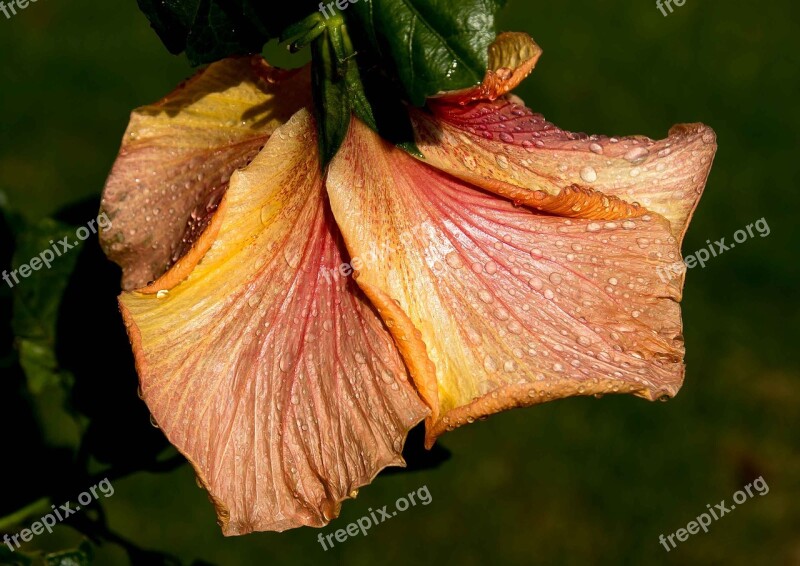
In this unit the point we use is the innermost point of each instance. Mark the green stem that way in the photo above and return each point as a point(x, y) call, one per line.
point(39, 507)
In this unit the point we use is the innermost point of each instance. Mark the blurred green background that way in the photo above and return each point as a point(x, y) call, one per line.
point(579, 481)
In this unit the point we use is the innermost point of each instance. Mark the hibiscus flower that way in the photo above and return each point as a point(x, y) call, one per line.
point(291, 323)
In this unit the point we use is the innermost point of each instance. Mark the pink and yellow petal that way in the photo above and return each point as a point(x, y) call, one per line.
point(512, 57)
point(265, 366)
point(505, 148)
point(497, 306)
point(177, 156)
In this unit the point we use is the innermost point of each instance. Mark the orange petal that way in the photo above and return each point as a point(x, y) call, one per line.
point(264, 366)
point(512, 57)
point(504, 147)
point(178, 154)
point(495, 306)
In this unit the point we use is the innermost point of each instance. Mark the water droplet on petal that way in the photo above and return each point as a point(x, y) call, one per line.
point(504, 73)
point(588, 174)
point(637, 155)
point(515, 328)
point(453, 260)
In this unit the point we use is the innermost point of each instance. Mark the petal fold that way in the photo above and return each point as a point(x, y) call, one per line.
point(177, 157)
point(504, 147)
point(496, 306)
point(264, 365)
point(512, 57)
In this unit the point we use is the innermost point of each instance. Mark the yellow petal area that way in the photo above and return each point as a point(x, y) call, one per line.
point(177, 156)
point(495, 306)
point(512, 57)
point(505, 148)
point(265, 366)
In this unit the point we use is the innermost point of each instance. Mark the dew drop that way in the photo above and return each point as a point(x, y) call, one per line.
point(504, 73)
point(453, 260)
point(285, 363)
point(588, 174)
point(637, 155)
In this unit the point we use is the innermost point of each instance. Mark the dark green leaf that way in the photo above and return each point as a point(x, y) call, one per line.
point(37, 297)
point(209, 30)
point(171, 20)
point(220, 29)
point(338, 91)
point(434, 45)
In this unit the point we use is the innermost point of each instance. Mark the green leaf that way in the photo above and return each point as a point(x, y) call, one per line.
point(434, 45)
point(220, 29)
point(14, 558)
point(37, 298)
point(338, 90)
point(171, 20)
point(209, 30)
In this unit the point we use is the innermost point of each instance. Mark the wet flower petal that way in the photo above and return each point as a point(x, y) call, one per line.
point(263, 364)
point(178, 154)
point(505, 148)
point(495, 306)
point(512, 57)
